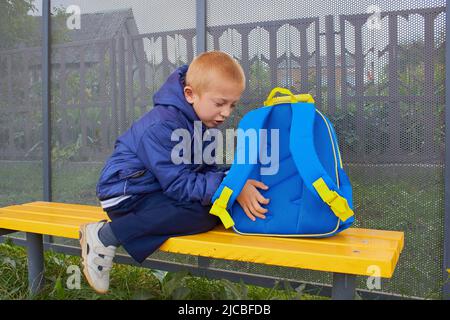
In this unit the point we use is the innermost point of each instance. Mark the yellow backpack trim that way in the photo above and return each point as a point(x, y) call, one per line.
point(288, 98)
point(338, 204)
point(219, 207)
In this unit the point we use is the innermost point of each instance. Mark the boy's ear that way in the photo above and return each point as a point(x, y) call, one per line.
point(189, 94)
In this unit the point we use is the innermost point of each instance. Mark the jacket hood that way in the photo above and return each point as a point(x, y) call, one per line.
point(171, 94)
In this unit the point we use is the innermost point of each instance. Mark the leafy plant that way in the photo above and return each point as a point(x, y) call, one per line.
point(61, 154)
point(172, 285)
point(235, 291)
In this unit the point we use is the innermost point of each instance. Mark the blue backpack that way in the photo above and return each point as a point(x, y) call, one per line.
point(310, 194)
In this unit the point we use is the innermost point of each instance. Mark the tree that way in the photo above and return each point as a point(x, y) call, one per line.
point(259, 79)
point(20, 29)
point(17, 25)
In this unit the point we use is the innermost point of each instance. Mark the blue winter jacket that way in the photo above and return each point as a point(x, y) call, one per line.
point(141, 161)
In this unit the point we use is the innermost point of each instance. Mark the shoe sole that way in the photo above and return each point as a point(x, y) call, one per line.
point(83, 245)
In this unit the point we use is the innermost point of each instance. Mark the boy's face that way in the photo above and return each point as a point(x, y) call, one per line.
point(216, 103)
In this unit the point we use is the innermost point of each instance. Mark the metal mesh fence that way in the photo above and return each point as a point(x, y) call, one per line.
point(20, 106)
point(375, 68)
point(105, 71)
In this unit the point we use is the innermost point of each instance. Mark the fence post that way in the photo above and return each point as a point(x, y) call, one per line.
point(446, 271)
point(46, 119)
point(122, 87)
point(201, 26)
point(331, 64)
point(130, 80)
point(46, 111)
point(114, 126)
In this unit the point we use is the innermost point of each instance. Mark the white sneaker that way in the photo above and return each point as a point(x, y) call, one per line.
point(97, 259)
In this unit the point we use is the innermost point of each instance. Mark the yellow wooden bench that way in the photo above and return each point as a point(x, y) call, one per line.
point(351, 253)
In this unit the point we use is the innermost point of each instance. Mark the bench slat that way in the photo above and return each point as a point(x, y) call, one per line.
point(355, 236)
point(55, 212)
point(62, 205)
point(357, 232)
point(337, 240)
point(342, 260)
point(377, 234)
point(355, 239)
point(97, 212)
point(351, 251)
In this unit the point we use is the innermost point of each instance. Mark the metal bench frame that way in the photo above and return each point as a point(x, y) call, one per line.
point(343, 288)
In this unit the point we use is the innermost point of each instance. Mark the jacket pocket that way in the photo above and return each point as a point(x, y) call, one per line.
point(131, 173)
point(141, 181)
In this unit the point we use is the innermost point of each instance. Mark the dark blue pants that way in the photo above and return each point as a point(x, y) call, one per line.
point(143, 222)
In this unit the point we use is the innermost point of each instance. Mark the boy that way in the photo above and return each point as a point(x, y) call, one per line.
point(146, 195)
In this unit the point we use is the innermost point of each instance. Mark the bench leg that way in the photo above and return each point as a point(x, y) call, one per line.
point(344, 286)
point(203, 263)
point(35, 253)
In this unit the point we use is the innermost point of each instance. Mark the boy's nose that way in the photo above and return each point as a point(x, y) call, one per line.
point(226, 112)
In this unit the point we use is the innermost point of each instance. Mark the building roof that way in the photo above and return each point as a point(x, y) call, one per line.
point(103, 25)
point(94, 27)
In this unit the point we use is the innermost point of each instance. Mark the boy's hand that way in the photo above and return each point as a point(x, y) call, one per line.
point(250, 199)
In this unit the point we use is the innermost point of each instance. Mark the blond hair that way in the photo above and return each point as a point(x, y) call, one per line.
point(213, 63)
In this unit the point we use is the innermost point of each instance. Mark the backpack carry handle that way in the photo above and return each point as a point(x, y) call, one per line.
point(288, 98)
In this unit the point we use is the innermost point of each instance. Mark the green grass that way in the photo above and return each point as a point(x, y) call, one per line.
point(127, 282)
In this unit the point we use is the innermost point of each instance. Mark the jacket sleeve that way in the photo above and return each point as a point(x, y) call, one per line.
point(216, 168)
point(178, 181)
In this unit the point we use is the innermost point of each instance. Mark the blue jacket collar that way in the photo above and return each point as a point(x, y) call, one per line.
point(171, 93)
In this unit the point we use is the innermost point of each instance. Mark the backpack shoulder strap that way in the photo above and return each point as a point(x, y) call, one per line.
point(234, 181)
point(308, 164)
